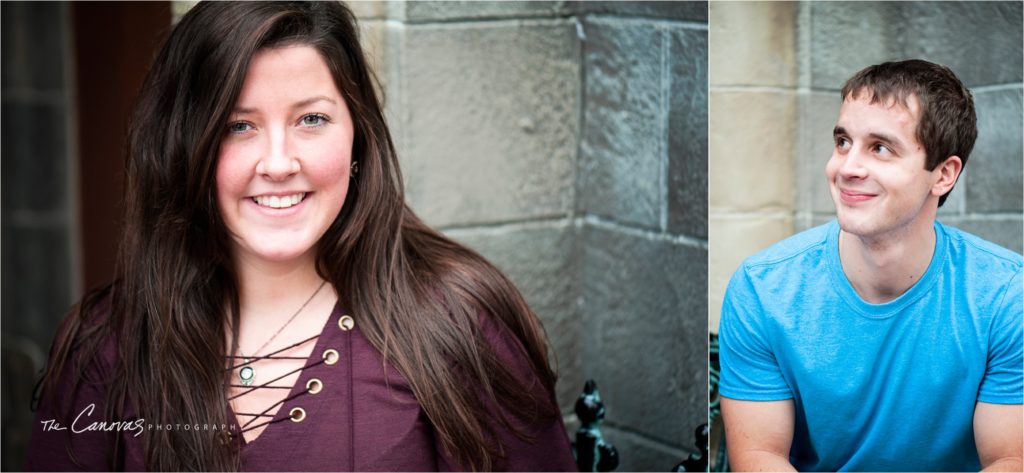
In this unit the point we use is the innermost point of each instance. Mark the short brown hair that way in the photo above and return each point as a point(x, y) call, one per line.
point(948, 125)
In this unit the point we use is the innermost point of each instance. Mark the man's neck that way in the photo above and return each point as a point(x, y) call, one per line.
point(881, 268)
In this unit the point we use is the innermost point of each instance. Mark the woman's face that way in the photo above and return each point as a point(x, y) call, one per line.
point(283, 168)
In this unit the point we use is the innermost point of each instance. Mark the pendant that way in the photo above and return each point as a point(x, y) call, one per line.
point(247, 374)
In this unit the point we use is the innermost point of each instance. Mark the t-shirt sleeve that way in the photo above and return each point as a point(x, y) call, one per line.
point(548, 448)
point(750, 371)
point(62, 439)
point(1004, 372)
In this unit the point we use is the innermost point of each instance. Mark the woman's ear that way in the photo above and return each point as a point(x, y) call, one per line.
point(946, 175)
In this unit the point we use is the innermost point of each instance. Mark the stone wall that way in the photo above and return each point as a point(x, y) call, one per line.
point(567, 143)
point(38, 276)
point(776, 72)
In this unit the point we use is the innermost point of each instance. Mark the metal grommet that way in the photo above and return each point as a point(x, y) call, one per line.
point(346, 323)
point(314, 386)
point(330, 356)
point(297, 414)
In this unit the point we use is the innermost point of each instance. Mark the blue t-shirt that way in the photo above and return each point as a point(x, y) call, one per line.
point(876, 387)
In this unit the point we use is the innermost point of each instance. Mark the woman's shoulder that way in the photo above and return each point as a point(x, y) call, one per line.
point(88, 330)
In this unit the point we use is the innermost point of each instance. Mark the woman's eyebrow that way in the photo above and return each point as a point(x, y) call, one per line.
point(299, 104)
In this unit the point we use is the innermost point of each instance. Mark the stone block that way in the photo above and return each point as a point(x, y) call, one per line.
point(373, 38)
point(36, 281)
point(33, 36)
point(734, 239)
point(637, 453)
point(990, 54)
point(885, 31)
point(425, 12)
point(818, 115)
point(180, 7)
point(368, 9)
point(848, 36)
point(32, 140)
point(489, 120)
point(688, 132)
point(681, 10)
point(752, 148)
point(540, 259)
point(753, 43)
point(645, 340)
point(994, 170)
point(1006, 232)
point(621, 176)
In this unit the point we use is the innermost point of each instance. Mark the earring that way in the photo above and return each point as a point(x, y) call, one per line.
point(354, 168)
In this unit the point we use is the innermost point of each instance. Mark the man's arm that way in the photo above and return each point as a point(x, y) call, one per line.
point(759, 434)
point(999, 436)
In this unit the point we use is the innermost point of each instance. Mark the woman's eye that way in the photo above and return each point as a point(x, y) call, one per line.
point(239, 127)
point(314, 119)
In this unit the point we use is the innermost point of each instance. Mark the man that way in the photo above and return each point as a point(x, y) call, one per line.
point(883, 340)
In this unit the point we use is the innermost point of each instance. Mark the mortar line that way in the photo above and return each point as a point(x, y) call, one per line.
point(599, 222)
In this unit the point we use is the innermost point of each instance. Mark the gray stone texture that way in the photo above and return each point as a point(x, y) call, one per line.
point(976, 39)
point(846, 36)
point(644, 307)
point(688, 132)
point(36, 278)
point(676, 10)
point(621, 168)
point(440, 11)
point(981, 41)
point(33, 142)
point(993, 172)
point(541, 261)
point(1005, 232)
point(818, 113)
point(33, 40)
point(496, 102)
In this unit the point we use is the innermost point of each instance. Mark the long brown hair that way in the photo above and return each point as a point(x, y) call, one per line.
point(418, 295)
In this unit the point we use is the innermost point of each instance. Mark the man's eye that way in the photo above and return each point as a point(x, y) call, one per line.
point(881, 149)
point(842, 143)
point(314, 119)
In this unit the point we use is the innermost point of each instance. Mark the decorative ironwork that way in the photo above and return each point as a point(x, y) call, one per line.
point(592, 452)
point(719, 461)
point(697, 461)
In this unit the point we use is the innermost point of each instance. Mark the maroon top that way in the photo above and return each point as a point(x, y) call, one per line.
point(363, 419)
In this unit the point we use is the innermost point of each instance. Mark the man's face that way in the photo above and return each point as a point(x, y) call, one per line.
point(877, 173)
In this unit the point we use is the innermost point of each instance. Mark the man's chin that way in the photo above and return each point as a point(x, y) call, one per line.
point(856, 226)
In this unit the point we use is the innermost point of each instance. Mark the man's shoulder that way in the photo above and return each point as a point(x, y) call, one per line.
point(978, 254)
point(793, 250)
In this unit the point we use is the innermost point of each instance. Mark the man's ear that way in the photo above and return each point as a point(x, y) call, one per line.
point(946, 174)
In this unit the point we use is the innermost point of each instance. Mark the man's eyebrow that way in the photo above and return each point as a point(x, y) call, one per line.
point(838, 131)
point(300, 104)
point(892, 140)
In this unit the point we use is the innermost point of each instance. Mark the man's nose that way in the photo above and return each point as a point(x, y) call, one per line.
point(853, 164)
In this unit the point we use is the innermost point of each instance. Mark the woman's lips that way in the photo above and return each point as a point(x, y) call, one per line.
point(853, 197)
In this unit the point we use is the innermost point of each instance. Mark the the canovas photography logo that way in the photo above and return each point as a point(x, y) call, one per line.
point(84, 423)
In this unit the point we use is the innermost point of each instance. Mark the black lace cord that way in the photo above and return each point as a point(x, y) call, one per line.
point(271, 355)
point(264, 414)
point(289, 398)
point(267, 384)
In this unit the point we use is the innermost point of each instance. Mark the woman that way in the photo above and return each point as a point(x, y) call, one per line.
point(276, 304)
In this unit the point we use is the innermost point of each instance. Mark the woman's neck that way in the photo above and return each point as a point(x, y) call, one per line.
point(269, 291)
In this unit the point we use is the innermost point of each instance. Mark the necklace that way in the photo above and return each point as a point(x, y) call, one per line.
point(247, 373)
